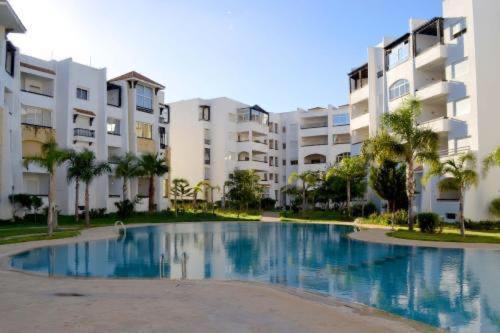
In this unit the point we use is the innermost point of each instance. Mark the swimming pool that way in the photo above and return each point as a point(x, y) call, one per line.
point(449, 288)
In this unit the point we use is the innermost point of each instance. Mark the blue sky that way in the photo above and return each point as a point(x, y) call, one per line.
point(275, 53)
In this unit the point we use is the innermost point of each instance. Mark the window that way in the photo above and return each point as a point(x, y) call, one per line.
point(275, 127)
point(207, 173)
point(458, 29)
point(284, 145)
point(144, 96)
point(207, 155)
point(276, 180)
point(82, 93)
point(113, 126)
point(462, 106)
point(283, 162)
point(163, 137)
point(459, 68)
point(165, 114)
point(341, 119)
point(271, 176)
point(294, 162)
point(10, 55)
point(271, 159)
point(399, 89)
point(276, 144)
point(114, 94)
point(339, 157)
point(206, 136)
point(283, 129)
point(144, 130)
point(204, 113)
point(36, 116)
point(398, 54)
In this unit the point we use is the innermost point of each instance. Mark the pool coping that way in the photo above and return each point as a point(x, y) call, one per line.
point(108, 232)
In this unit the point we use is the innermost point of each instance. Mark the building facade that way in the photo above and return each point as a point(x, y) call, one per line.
point(212, 138)
point(446, 62)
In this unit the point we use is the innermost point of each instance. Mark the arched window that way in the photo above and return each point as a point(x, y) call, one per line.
point(315, 159)
point(399, 89)
point(243, 156)
point(340, 156)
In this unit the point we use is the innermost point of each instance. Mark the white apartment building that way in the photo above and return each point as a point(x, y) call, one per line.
point(450, 64)
point(76, 104)
point(211, 138)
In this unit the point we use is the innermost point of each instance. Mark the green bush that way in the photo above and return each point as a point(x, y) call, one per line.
point(495, 207)
point(482, 225)
point(97, 213)
point(400, 218)
point(267, 203)
point(428, 222)
point(125, 208)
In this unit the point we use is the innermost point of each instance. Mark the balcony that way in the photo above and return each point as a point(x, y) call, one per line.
point(433, 91)
point(360, 121)
point(356, 148)
point(84, 132)
point(359, 95)
point(437, 125)
point(145, 145)
point(432, 57)
point(38, 85)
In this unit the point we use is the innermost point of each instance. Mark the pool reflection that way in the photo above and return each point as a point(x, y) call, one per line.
point(449, 288)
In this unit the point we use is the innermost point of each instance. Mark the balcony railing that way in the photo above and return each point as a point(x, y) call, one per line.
point(34, 123)
point(315, 125)
point(36, 92)
point(454, 151)
point(264, 142)
point(84, 132)
point(314, 144)
point(261, 160)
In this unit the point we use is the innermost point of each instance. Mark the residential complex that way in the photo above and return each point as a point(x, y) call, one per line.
point(446, 62)
point(212, 138)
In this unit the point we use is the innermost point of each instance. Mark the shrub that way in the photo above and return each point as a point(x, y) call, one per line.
point(428, 222)
point(97, 213)
point(267, 203)
point(482, 225)
point(363, 210)
point(400, 218)
point(495, 207)
point(125, 208)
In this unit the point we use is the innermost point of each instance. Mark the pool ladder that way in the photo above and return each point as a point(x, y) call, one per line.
point(121, 228)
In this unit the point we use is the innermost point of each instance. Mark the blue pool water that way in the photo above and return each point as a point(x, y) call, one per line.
point(448, 288)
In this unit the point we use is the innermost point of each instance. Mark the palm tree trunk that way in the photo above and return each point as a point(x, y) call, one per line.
point(349, 198)
point(151, 195)
point(125, 188)
point(87, 205)
point(77, 198)
point(461, 213)
point(50, 212)
point(410, 192)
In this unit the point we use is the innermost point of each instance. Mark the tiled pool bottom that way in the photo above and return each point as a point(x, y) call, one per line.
point(448, 288)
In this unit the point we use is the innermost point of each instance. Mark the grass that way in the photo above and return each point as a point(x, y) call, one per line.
point(313, 215)
point(449, 235)
point(28, 230)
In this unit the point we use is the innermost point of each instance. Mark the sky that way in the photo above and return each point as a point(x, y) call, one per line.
point(280, 54)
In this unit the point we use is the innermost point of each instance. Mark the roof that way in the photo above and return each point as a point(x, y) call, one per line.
point(85, 112)
point(9, 18)
point(137, 76)
point(37, 68)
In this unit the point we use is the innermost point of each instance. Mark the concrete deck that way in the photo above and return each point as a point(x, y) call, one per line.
point(31, 303)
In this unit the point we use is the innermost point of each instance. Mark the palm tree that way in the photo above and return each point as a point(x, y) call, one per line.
point(308, 179)
point(179, 189)
point(51, 157)
point(127, 167)
point(212, 188)
point(197, 189)
point(91, 169)
point(74, 172)
point(348, 169)
point(459, 175)
point(152, 165)
point(401, 140)
point(491, 160)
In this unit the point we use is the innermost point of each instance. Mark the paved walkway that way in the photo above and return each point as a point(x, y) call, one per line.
point(31, 303)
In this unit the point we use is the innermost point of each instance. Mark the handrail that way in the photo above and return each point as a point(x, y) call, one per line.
point(120, 227)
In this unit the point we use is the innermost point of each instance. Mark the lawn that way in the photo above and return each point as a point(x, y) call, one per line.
point(25, 231)
point(449, 235)
point(313, 215)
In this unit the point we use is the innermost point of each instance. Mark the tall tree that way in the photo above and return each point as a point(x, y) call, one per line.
point(91, 168)
point(388, 180)
point(151, 166)
point(51, 157)
point(491, 160)
point(244, 188)
point(458, 175)
point(307, 180)
point(74, 173)
point(127, 167)
point(198, 188)
point(402, 140)
point(349, 169)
